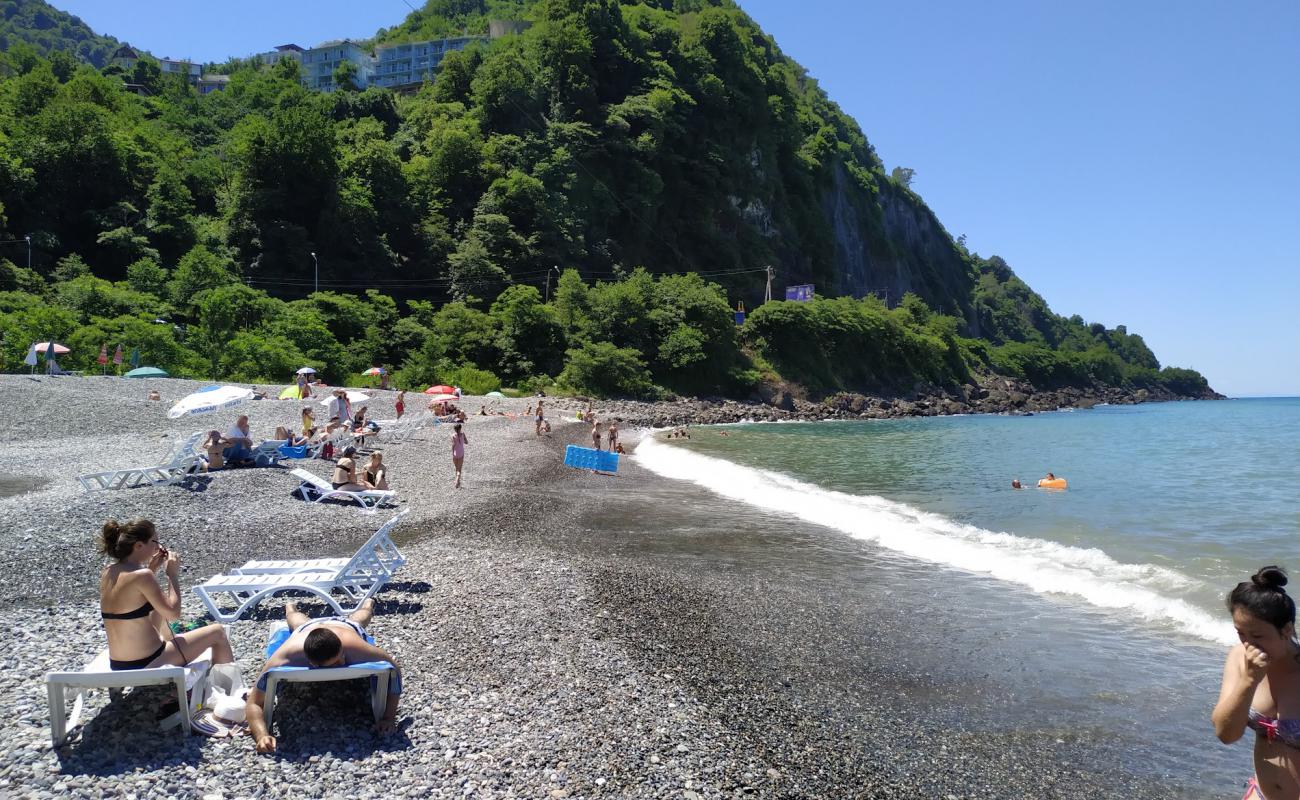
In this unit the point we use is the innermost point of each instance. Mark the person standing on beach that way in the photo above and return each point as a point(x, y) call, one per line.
point(612, 435)
point(401, 403)
point(458, 442)
point(595, 435)
point(537, 428)
point(1261, 679)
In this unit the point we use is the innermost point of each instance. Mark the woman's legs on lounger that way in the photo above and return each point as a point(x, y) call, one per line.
point(191, 644)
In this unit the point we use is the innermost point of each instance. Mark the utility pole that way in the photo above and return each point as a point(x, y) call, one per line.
point(767, 296)
point(556, 270)
point(29, 250)
point(317, 262)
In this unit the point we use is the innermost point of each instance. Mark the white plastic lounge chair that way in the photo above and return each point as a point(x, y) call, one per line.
point(316, 489)
point(357, 579)
point(379, 548)
point(267, 453)
point(65, 687)
point(180, 463)
point(379, 673)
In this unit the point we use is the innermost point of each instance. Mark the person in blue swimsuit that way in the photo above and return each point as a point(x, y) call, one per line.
point(1261, 684)
point(135, 609)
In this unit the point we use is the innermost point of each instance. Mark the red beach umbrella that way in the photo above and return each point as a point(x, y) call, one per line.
point(440, 390)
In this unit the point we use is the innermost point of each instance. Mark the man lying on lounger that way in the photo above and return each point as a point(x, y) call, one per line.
point(324, 642)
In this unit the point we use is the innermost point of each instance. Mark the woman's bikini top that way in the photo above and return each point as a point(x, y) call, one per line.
point(142, 611)
point(1286, 731)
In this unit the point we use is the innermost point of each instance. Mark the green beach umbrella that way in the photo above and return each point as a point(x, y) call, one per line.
point(146, 372)
point(494, 394)
point(135, 357)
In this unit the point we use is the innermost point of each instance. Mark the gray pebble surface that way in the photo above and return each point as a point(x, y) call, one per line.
point(536, 663)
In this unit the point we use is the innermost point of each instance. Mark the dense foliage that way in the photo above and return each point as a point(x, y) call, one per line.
point(37, 28)
point(493, 225)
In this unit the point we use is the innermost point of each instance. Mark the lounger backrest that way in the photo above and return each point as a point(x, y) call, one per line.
point(308, 477)
point(378, 556)
point(183, 448)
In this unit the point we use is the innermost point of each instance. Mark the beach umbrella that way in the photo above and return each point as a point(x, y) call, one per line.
point(31, 357)
point(117, 356)
point(291, 393)
point(50, 348)
point(135, 357)
point(355, 398)
point(374, 371)
point(440, 390)
point(213, 398)
point(305, 371)
point(494, 394)
point(145, 372)
point(103, 355)
point(440, 398)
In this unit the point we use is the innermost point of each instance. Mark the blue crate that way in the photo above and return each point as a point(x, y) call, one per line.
point(590, 458)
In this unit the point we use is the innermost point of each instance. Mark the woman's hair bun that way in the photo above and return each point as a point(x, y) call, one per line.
point(108, 536)
point(1271, 577)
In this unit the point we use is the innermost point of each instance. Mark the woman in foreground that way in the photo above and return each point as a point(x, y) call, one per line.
point(1261, 684)
point(136, 610)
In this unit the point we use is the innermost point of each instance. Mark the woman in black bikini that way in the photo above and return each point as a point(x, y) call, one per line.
point(1261, 684)
point(376, 475)
point(345, 472)
point(135, 609)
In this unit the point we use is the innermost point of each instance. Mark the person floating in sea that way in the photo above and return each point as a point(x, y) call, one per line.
point(1260, 678)
point(1015, 483)
point(1052, 482)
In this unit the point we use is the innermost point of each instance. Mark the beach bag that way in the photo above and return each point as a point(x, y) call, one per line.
point(223, 708)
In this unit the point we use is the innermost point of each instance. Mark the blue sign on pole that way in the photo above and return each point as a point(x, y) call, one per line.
point(802, 293)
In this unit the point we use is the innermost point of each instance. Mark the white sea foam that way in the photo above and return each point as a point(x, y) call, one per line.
point(1089, 575)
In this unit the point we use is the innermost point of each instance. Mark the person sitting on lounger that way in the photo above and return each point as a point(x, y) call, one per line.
point(135, 610)
point(283, 434)
point(376, 474)
point(240, 449)
point(345, 472)
point(320, 643)
point(215, 445)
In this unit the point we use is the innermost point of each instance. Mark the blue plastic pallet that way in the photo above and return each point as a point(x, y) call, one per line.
point(590, 458)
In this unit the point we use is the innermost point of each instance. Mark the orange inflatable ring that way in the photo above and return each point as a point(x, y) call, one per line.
point(1055, 483)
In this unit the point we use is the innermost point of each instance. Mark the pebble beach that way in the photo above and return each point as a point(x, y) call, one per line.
point(539, 659)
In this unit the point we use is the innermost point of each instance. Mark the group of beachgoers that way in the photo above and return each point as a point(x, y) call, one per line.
point(136, 612)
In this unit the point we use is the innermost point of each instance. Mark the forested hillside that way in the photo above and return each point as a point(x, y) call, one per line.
point(495, 223)
point(47, 30)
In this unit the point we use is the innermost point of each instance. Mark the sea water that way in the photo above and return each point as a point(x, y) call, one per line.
point(1123, 574)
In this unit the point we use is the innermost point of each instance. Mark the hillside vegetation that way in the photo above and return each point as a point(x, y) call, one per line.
point(46, 31)
point(582, 203)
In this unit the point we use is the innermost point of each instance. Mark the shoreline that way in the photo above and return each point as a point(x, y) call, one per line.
point(785, 405)
point(544, 655)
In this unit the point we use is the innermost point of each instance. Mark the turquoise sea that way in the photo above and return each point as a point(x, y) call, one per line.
point(1114, 587)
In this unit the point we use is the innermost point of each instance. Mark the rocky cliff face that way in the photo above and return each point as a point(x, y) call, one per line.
point(890, 244)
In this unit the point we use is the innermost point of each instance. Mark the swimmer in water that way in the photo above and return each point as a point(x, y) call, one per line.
point(1015, 483)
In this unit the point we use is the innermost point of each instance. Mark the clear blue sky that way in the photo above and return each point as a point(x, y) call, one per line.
point(1136, 163)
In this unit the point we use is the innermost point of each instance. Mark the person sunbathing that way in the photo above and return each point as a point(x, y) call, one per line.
point(136, 611)
point(215, 445)
point(319, 643)
point(283, 434)
point(376, 474)
point(345, 472)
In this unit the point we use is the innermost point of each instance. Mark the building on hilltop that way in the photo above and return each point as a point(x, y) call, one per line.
point(398, 65)
point(272, 57)
point(186, 69)
point(319, 63)
point(211, 82)
point(125, 57)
